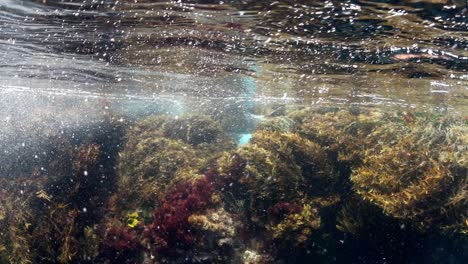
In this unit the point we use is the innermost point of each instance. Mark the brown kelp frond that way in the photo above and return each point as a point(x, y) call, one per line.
point(17, 196)
point(296, 228)
point(342, 132)
point(400, 181)
point(418, 172)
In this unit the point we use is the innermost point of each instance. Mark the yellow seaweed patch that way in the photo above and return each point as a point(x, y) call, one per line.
point(132, 219)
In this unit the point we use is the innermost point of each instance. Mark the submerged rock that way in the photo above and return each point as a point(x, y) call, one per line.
point(418, 172)
point(160, 151)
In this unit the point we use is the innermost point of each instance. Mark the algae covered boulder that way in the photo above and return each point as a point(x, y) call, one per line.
point(153, 164)
point(278, 124)
point(418, 172)
point(273, 168)
point(413, 165)
point(193, 130)
point(160, 151)
point(278, 184)
point(341, 132)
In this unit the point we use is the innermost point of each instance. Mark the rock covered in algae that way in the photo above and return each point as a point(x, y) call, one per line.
point(61, 192)
point(412, 165)
point(69, 210)
point(152, 165)
point(341, 132)
point(217, 225)
point(400, 179)
point(191, 225)
point(278, 124)
point(253, 257)
point(278, 164)
point(34, 226)
point(277, 184)
point(418, 172)
point(296, 228)
point(118, 242)
point(355, 216)
point(312, 160)
point(193, 130)
point(160, 151)
point(275, 169)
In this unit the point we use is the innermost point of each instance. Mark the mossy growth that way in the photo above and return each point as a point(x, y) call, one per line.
point(296, 229)
point(152, 166)
point(418, 171)
point(343, 133)
point(399, 180)
point(277, 124)
point(193, 130)
point(272, 168)
point(16, 218)
point(161, 151)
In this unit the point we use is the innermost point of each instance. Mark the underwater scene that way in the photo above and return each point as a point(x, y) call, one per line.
point(234, 131)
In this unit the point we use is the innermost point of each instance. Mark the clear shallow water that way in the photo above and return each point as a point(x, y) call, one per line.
point(316, 51)
point(68, 68)
point(406, 54)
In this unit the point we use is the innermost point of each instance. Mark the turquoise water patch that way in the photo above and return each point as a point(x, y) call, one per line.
point(244, 139)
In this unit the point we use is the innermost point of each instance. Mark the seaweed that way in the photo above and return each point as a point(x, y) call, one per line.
point(15, 224)
point(317, 185)
point(419, 174)
point(170, 229)
point(275, 167)
point(160, 152)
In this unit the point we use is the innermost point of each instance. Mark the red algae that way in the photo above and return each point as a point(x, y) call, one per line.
point(121, 239)
point(170, 227)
